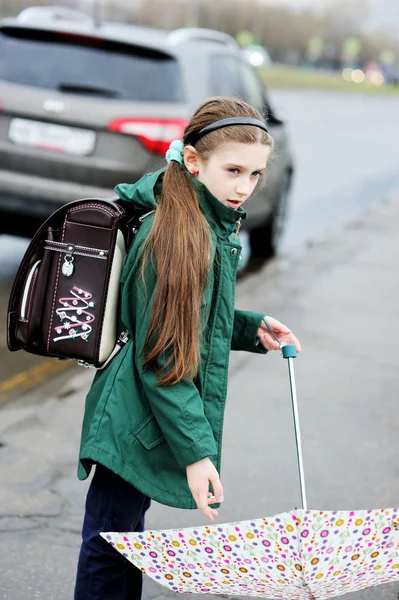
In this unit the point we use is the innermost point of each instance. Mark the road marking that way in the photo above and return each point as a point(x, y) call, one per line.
point(23, 381)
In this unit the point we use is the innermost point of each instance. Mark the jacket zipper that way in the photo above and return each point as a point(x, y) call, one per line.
point(237, 228)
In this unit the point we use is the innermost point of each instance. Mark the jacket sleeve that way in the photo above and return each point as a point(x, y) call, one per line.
point(178, 408)
point(246, 325)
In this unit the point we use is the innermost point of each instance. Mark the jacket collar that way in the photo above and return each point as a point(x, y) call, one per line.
point(221, 218)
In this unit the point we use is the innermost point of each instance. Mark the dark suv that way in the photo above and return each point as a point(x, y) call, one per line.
point(85, 105)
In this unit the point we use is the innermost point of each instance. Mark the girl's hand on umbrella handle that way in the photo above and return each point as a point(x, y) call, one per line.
point(199, 475)
point(282, 332)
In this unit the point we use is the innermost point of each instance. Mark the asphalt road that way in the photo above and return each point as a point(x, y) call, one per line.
point(345, 149)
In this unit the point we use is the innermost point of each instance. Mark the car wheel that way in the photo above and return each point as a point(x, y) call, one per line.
point(264, 240)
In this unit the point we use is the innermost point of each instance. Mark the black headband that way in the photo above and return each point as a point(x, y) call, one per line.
point(225, 123)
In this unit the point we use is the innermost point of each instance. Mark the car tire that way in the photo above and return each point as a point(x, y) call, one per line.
point(264, 240)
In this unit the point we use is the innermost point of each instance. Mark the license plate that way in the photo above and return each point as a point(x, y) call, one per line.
point(49, 136)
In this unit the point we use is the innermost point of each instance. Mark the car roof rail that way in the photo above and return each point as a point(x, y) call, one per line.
point(54, 13)
point(185, 34)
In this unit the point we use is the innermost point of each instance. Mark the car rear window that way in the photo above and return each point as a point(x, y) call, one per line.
point(88, 66)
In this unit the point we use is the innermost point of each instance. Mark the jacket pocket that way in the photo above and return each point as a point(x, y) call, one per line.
point(149, 433)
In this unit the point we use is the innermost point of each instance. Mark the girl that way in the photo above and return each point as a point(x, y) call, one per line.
point(153, 419)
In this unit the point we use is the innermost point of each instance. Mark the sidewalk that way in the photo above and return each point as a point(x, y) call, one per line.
point(341, 299)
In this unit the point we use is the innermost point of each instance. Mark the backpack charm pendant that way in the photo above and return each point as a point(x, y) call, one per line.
point(67, 267)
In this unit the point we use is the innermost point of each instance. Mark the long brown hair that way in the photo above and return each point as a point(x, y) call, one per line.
point(179, 241)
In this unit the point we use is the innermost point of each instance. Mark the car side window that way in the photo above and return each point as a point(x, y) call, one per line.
point(254, 93)
point(230, 76)
point(225, 77)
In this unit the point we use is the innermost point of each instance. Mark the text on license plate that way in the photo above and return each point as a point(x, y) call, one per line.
point(59, 138)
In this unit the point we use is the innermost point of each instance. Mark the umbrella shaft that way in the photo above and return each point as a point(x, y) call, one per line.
point(297, 433)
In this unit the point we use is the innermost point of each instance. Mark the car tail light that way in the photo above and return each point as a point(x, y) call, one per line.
point(155, 134)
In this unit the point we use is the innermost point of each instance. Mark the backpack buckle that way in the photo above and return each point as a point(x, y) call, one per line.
point(86, 365)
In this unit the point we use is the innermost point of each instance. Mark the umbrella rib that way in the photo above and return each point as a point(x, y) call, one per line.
point(311, 596)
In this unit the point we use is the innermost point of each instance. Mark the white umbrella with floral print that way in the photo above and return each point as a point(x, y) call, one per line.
point(302, 554)
point(295, 555)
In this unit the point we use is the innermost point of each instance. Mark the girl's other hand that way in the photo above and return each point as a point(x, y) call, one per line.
point(199, 475)
point(284, 334)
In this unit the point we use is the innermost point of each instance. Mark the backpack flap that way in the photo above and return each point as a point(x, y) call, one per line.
point(82, 310)
point(65, 299)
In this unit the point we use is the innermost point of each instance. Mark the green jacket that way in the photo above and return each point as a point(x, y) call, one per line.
point(146, 434)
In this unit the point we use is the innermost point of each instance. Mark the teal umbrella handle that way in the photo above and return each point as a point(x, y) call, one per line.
point(289, 352)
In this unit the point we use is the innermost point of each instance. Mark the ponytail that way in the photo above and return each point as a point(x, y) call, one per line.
point(180, 245)
point(179, 242)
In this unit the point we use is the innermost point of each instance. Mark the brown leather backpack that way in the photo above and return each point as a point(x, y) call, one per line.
point(65, 299)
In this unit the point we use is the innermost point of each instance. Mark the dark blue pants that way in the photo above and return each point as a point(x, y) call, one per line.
point(103, 573)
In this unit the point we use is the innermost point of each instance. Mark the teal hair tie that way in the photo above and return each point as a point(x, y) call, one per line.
point(175, 152)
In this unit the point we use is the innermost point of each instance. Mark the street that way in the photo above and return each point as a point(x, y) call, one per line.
point(339, 296)
point(345, 151)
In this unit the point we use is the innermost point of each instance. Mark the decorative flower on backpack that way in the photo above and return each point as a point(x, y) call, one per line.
point(75, 309)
